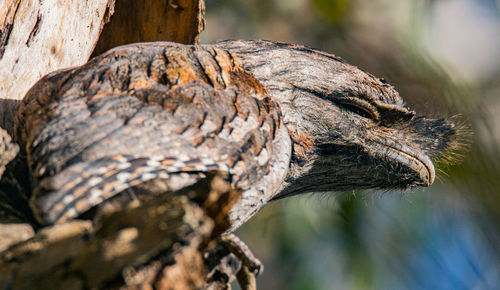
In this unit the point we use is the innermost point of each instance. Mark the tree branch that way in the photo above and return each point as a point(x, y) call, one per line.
point(158, 243)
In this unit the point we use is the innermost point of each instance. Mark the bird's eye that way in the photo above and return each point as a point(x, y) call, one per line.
point(358, 110)
point(363, 110)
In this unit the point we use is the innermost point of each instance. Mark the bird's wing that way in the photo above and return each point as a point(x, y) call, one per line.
point(140, 113)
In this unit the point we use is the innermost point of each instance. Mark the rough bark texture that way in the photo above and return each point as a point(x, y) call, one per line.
point(40, 36)
point(155, 244)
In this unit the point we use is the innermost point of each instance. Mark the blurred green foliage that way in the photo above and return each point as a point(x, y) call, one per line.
point(333, 10)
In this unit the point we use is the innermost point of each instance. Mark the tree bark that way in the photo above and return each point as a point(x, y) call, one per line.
point(37, 37)
point(156, 244)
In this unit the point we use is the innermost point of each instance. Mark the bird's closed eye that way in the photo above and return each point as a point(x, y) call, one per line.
point(363, 110)
point(358, 110)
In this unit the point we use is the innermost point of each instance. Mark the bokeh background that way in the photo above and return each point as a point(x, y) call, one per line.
point(443, 56)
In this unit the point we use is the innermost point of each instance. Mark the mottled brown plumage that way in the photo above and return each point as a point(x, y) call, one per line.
point(281, 119)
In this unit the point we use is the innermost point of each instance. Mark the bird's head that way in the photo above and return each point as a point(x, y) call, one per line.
point(350, 130)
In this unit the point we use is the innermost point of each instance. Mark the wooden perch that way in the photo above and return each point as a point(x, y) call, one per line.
point(158, 244)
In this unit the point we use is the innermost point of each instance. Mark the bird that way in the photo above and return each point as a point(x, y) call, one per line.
point(280, 119)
